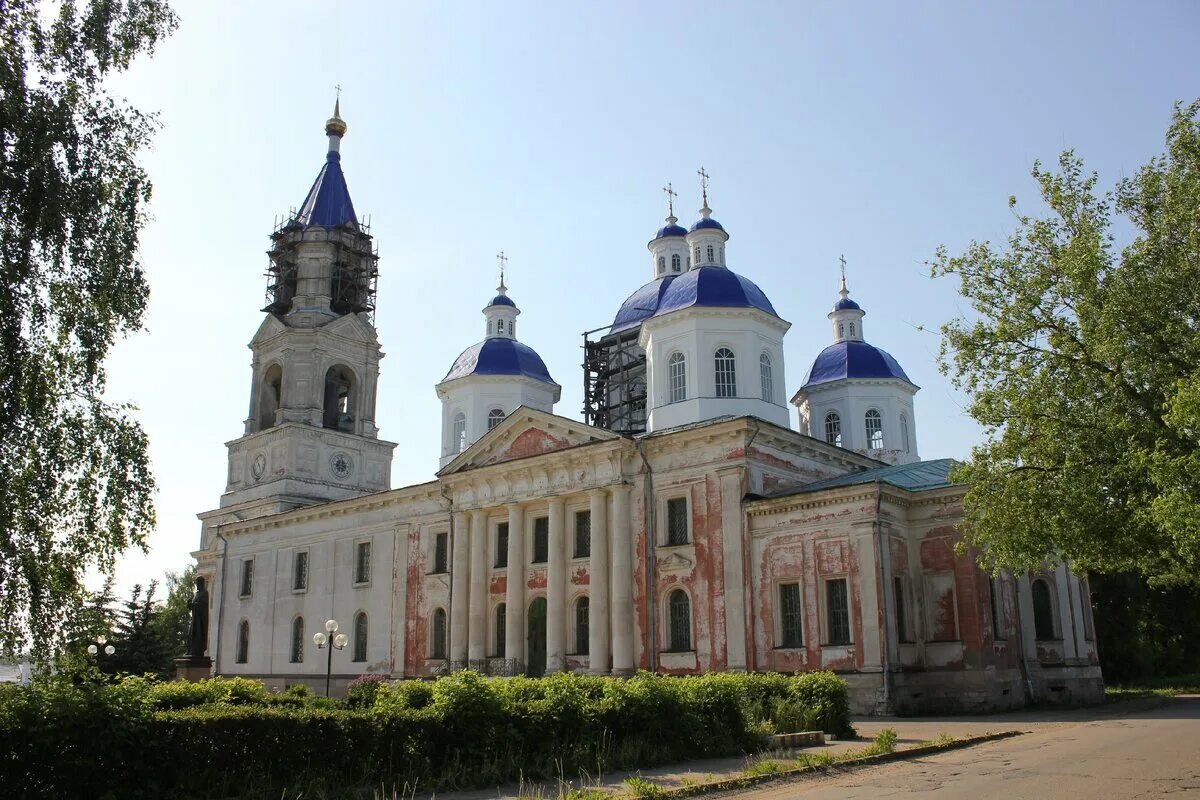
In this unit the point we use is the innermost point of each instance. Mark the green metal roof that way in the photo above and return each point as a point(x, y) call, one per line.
point(915, 477)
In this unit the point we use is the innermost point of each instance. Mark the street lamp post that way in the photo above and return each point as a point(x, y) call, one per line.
point(94, 649)
point(328, 638)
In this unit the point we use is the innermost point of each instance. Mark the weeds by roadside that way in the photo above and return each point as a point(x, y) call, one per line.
point(1168, 686)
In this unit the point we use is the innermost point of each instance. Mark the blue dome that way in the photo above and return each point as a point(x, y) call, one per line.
point(846, 304)
point(499, 356)
point(641, 304)
point(852, 359)
point(707, 223)
point(713, 286)
point(670, 230)
point(502, 300)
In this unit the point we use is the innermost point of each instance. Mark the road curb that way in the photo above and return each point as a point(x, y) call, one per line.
point(747, 781)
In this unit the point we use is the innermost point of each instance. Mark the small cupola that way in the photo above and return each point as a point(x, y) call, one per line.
point(501, 313)
point(706, 240)
point(846, 315)
point(669, 249)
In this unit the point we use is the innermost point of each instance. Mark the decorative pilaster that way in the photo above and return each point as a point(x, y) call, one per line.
point(514, 599)
point(622, 583)
point(733, 573)
point(477, 630)
point(598, 586)
point(556, 589)
point(459, 600)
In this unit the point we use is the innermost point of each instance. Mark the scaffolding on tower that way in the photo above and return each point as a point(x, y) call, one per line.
point(614, 381)
point(355, 273)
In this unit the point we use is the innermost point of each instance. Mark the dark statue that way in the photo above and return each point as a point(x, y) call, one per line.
point(198, 631)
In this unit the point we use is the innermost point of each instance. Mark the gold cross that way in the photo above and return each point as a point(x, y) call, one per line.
point(703, 184)
point(671, 195)
point(842, 259)
point(338, 87)
point(502, 261)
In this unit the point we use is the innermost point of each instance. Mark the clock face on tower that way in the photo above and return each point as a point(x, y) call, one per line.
point(258, 466)
point(341, 465)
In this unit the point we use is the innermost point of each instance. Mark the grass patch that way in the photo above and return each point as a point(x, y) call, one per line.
point(758, 767)
point(1167, 686)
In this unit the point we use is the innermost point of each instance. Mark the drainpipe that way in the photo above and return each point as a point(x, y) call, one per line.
point(651, 563)
point(1029, 698)
point(884, 563)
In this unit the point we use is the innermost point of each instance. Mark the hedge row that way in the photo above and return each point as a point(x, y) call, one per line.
point(231, 738)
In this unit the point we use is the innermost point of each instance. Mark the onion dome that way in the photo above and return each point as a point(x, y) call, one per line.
point(707, 223)
point(846, 304)
point(711, 286)
point(853, 359)
point(670, 229)
point(499, 357)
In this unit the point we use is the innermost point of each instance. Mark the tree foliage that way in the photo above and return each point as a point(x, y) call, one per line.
point(75, 483)
point(1082, 363)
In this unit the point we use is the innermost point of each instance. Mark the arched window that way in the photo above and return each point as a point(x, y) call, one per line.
point(662, 264)
point(495, 417)
point(764, 374)
point(874, 424)
point(675, 263)
point(360, 637)
point(489, 327)
point(841, 330)
point(512, 328)
point(501, 630)
point(437, 637)
point(339, 398)
point(458, 433)
point(1043, 611)
point(582, 609)
point(297, 640)
point(243, 643)
point(696, 258)
point(271, 396)
point(833, 429)
point(851, 328)
point(677, 377)
point(904, 432)
point(726, 373)
point(680, 610)
point(499, 326)
point(710, 254)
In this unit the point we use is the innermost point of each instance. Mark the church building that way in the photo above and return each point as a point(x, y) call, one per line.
point(687, 524)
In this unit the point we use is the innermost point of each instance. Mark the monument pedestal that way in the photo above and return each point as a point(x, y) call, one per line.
point(193, 668)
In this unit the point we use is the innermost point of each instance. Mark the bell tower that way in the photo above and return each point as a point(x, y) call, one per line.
point(310, 435)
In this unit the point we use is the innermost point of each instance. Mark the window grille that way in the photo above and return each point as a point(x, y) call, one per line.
point(833, 429)
point(874, 424)
point(297, 640)
point(838, 611)
point(677, 521)
point(582, 610)
point(362, 563)
point(790, 616)
point(440, 556)
point(501, 630)
point(764, 374)
point(726, 373)
point(437, 647)
point(541, 540)
point(243, 643)
point(583, 534)
point(360, 637)
point(681, 621)
point(247, 577)
point(677, 375)
point(495, 417)
point(300, 571)
point(502, 545)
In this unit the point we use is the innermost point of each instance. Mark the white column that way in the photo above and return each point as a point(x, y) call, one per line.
point(477, 630)
point(514, 599)
point(459, 566)
point(556, 589)
point(622, 583)
point(1066, 622)
point(598, 636)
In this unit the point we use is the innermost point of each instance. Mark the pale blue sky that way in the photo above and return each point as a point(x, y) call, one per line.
point(546, 129)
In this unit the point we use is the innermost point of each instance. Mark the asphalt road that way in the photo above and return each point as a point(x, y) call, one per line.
point(1146, 753)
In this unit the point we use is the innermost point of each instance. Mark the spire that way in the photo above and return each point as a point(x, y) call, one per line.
point(671, 195)
point(335, 126)
point(846, 315)
point(328, 201)
point(501, 313)
point(705, 211)
point(843, 293)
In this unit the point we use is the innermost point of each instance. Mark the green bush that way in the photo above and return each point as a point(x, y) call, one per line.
point(232, 738)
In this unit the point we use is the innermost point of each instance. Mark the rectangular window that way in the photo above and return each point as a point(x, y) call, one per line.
point(541, 540)
point(677, 521)
point(362, 562)
point(440, 558)
point(790, 619)
point(501, 545)
point(837, 610)
point(501, 631)
point(583, 534)
point(247, 577)
point(902, 633)
point(300, 571)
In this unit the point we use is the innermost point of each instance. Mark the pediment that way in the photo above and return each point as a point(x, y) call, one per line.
point(271, 326)
point(352, 326)
point(526, 433)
